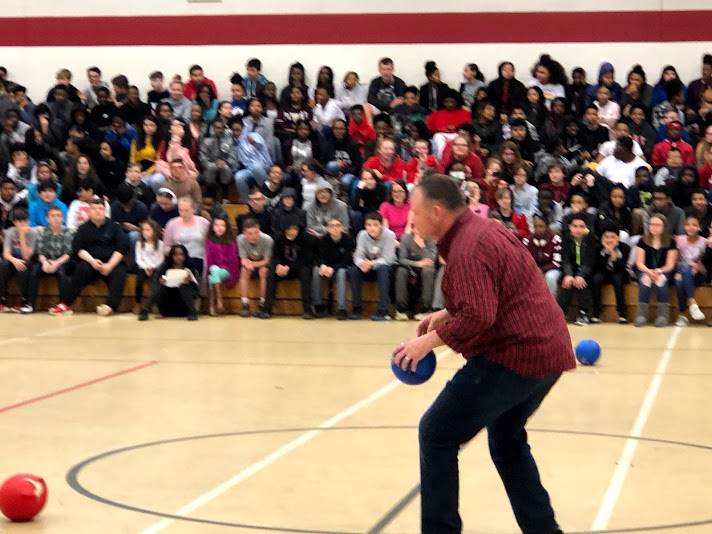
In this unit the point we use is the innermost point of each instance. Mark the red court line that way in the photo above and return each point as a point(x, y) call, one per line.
point(76, 386)
point(360, 28)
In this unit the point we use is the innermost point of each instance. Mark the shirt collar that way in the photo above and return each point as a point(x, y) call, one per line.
point(446, 240)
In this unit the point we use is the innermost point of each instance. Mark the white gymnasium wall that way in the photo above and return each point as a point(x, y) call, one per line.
point(35, 66)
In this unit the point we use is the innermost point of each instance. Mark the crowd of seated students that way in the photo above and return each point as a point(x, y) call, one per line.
point(604, 183)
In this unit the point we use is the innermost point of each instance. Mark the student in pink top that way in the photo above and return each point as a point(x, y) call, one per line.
point(396, 209)
point(221, 262)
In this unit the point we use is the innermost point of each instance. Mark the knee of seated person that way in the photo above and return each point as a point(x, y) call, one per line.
point(678, 277)
point(645, 280)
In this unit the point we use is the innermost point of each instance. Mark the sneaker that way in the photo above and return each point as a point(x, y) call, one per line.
point(25, 309)
point(341, 315)
point(622, 320)
point(356, 314)
point(321, 312)
point(192, 316)
point(261, 314)
point(245, 310)
point(595, 320)
point(380, 317)
point(400, 316)
point(582, 320)
point(143, 315)
point(696, 313)
point(60, 309)
point(104, 310)
point(682, 321)
point(7, 309)
point(419, 316)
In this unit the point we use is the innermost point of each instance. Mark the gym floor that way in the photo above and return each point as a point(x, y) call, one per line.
point(242, 425)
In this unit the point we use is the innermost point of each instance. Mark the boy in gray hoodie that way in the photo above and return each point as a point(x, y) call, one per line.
point(325, 207)
point(375, 255)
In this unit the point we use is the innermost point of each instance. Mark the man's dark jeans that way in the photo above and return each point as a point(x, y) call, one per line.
point(483, 394)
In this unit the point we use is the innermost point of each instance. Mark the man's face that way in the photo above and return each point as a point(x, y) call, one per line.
point(424, 220)
point(176, 91)
point(373, 228)
point(8, 191)
point(97, 213)
point(386, 72)
point(460, 148)
point(387, 150)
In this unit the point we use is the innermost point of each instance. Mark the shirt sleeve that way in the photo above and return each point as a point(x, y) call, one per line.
point(472, 306)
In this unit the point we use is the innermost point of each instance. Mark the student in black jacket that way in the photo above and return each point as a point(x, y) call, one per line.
point(386, 91)
point(432, 92)
point(610, 268)
point(292, 259)
point(100, 246)
point(334, 256)
point(578, 252)
point(341, 157)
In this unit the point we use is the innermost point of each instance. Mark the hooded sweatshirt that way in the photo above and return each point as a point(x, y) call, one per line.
point(616, 90)
point(318, 215)
point(282, 217)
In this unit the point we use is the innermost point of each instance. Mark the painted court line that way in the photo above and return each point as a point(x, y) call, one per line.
point(76, 386)
point(279, 453)
point(615, 487)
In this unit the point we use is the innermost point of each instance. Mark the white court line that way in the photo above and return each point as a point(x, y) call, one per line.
point(610, 498)
point(276, 455)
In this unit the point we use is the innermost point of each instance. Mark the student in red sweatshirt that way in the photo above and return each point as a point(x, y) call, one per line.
point(422, 158)
point(557, 183)
point(386, 164)
point(461, 151)
point(360, 129)
point(444, 122)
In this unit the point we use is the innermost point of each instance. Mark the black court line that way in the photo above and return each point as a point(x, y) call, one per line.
point(72, 479)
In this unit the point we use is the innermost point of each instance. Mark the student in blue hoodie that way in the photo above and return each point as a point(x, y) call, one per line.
point(47, 199)
point(606, 76)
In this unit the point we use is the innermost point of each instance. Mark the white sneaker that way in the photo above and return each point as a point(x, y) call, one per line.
point(696, 313)
point(104, 310)
point(25, 308)
point(682, 321)
point(400, 316)
point(419, 316)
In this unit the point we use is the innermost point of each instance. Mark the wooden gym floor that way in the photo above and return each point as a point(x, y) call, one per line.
point(241, 425)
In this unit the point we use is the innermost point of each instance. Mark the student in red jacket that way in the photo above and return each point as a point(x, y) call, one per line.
point(545, 247)
point(461, 151)
point(360, 129)
point(444, 122)
point(421, 159)
point(197, 78)
point(386, 164)
point(674, 140)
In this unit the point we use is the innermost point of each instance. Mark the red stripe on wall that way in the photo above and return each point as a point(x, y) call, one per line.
point(371, 28)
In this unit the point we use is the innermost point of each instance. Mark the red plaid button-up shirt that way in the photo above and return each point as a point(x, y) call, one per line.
point(500, 306)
